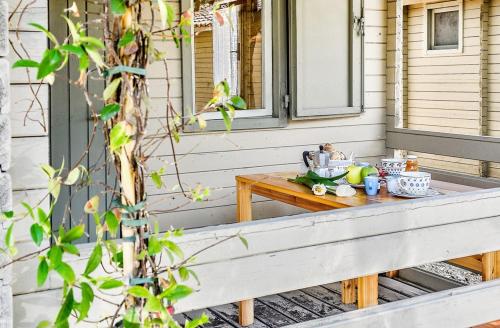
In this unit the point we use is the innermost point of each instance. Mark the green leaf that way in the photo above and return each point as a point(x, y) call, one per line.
point(51, 61)
point(25, 63)
point(46, 32)
point(197, 321)
point(184, 273)
point(71, 48)
point(87, 299)
point(9, 239)
point(71, 249)
point(66, 308)
point(36, 234)
point(42, 216)
point(139, 291)
point(55, 255)
point(226, 118)
point(131, 319)
point(166, 13)
point(94, 42)
point(54, 187)
point(118, 7)
point(153, 305)
point(111, 284)
point(118, 137)
point(29, 209)
point(109, 111)
point(154, 246)
point(73, 176)
point(112, 222)
point(42, 272)
point(8, 214)
point(126, 39)
point(238, 102)
point(44, 324)
point(111, 88)
point(73, 234)
point(49, 170)
point(243, 241)
point(94, 260)
point(66, 272)
point(156, 177)
point(96, 56)
point(176, 292)
point(72, 29)
point(174, 248)
point(84, 63)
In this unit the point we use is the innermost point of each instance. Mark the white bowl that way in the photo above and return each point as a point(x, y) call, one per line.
point(415, 183)
point(393, 166)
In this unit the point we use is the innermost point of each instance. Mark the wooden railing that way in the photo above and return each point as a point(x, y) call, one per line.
point(290, 253)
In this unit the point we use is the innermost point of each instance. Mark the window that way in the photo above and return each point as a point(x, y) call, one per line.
point(239, 50)
point(444, 27)
point(318, 43)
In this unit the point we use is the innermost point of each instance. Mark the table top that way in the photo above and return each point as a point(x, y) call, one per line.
point(272, 185)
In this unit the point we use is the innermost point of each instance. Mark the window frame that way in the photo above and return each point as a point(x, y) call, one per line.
point(356, 69)
point(429, 10)
point(279, 116)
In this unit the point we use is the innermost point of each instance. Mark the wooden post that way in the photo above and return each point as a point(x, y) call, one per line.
point(367, 291)
point(244, 213)
point(349, 291)
point(488, 261)
point(392, 274)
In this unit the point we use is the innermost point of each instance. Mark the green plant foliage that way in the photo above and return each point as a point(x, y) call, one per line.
point(42, 272)
point(118, 137)
point(94, 260)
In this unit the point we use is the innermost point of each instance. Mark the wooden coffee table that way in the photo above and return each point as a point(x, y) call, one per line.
point(275, 186)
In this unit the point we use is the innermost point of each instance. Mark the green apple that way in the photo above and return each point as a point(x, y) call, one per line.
point(354, 174)
point(368, 170)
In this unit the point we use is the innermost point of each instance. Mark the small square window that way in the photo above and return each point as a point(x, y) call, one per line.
point(444, 27)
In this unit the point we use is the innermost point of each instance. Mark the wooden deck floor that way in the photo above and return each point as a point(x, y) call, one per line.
point(303, 305)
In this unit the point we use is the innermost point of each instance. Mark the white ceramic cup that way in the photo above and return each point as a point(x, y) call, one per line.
point(414, 183)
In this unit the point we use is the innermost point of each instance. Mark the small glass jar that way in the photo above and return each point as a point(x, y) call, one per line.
point(411, 163)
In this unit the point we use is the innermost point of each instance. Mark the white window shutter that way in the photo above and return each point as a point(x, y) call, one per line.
point(326, 58)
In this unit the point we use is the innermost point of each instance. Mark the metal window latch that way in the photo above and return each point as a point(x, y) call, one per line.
point(359, 25)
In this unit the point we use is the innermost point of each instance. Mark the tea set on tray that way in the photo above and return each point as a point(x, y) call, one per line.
point(401, 176)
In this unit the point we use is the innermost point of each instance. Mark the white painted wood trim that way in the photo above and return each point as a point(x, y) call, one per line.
point(460, 307)
point(296, 252)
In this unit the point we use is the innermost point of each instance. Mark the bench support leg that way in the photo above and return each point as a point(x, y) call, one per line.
point(367, 291)
point(488, 261)
point(349, 291)
point(246, 313)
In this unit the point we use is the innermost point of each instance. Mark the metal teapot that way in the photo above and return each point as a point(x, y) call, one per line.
point(316, 159)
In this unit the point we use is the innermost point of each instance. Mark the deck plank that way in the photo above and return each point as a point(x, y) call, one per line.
point(328, 297)
point(288, 308)
point(312, 304)
point(215, 320)
point(401, 287)
point(270, 316)
point(230, 313)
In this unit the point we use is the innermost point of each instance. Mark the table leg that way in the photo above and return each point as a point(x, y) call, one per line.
point(244, 213)
point(367, 291)
point(489, 270)
point(349, 291)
